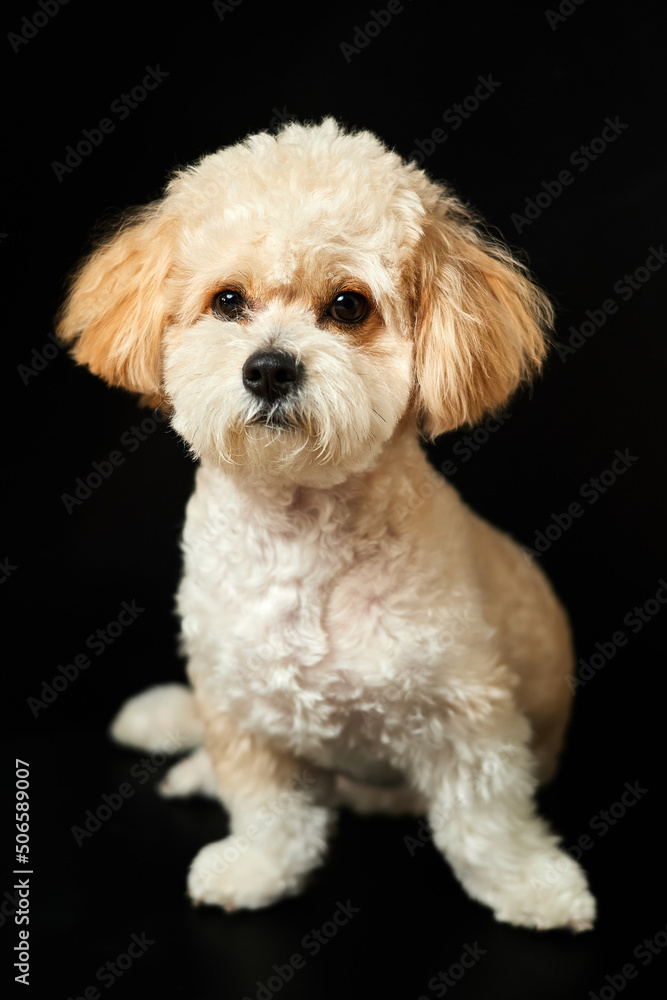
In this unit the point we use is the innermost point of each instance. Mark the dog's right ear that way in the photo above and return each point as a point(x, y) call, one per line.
point(116, 309)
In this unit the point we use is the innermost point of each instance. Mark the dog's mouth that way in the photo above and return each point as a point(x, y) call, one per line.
point(275, 418)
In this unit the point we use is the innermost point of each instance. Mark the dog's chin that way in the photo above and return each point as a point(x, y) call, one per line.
point(278, 448)
point(281, 447)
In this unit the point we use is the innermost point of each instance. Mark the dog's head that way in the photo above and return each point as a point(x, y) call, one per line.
point(293, 298)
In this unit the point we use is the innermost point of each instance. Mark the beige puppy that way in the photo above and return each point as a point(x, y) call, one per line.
point(304, 306)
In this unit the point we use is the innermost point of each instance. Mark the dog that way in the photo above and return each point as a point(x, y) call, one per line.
point(306, 306)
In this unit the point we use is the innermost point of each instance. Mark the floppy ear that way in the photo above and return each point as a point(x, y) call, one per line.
point(115, 312)
point(481, 327)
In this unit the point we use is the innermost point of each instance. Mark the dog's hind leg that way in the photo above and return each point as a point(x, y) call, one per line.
point(163, 718)
point(194, 775)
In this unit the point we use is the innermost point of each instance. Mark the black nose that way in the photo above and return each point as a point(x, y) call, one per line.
point(270, 375)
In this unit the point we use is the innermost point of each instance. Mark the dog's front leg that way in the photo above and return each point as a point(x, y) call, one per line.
point(278, 828)
point(483, 818)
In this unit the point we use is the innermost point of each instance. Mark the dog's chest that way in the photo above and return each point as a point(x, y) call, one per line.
point(293, 624)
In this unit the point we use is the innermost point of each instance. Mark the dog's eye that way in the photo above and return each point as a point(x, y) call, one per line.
point(229, 304)
point(348, 307)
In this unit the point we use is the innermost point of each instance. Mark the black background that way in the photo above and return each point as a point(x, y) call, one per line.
point(66, 574)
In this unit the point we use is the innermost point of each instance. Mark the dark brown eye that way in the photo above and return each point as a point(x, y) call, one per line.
point(229, 304)
point(348, 307)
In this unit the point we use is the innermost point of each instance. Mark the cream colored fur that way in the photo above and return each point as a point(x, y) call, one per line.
point(355, 634)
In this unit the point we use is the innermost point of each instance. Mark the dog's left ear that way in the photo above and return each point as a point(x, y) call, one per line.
point(116, 310)
point(481, 326)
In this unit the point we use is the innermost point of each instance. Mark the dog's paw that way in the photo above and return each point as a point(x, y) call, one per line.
point(192, 776)
point(225, 874)
point(552, 893)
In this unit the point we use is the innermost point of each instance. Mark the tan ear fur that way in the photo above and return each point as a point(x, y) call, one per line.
point(115, 312)
point(482, 325)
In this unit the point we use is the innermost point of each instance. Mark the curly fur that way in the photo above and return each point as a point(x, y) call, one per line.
point(355, 634)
